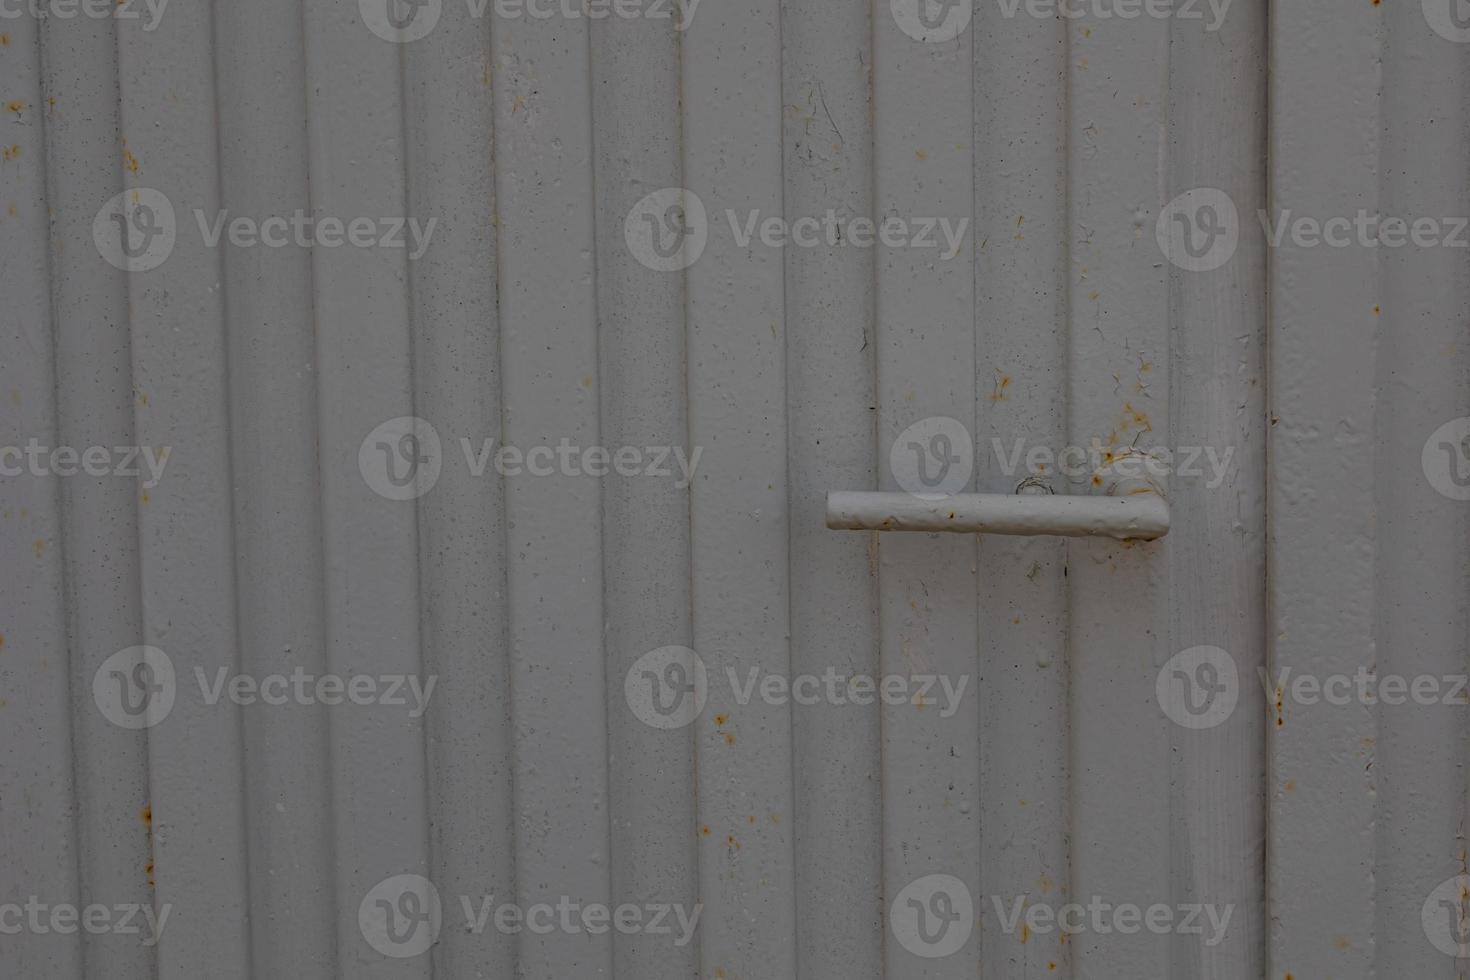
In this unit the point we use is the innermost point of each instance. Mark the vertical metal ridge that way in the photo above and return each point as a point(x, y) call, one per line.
point(836, 747)
point(1217, 397)
point(260, 81)
point(94, 405)
point(1021, 235)
point(1119, 339)
point(549, 324)
point(450, 136)
point(645, 519)
point(925, 348)
point(371, 609)
point(1421, 561)
point(740, 524)
point(38, 803)
point(187, 558)
point(1326, 107)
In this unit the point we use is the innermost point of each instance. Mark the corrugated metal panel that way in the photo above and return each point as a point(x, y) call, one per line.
point(1370, 565)
point(305, 522)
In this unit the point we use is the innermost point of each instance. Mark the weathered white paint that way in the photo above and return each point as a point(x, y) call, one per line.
point(1057, 777)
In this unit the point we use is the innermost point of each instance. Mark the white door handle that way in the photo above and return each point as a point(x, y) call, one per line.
point(1141, 514)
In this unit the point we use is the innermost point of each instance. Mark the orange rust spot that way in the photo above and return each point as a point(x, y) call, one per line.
point(751, 819)
point(40, 547)
point(729, 738)
point(1290, 786)
point(1001, 384)
point(2, 641)
point(129, 160)
point(1025, 933)
point(1343, 942)
point(921, 154)
point(4, 40)
point(149, 871)
point(11, 153)
point(146, 815)
point(1051, 965)
point(1096, 480)
point(704, 831)
point(16, 106)
point(1377, 310)
point(721, 719)
point(730, 841)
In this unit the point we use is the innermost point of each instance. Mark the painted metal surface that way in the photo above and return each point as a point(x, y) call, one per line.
point(417, 422)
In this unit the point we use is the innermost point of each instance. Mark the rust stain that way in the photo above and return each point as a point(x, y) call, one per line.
point(729, 738)
point(921, 154)
point(40, 547)
point(16, 106)
point(129, 160)
point(1002, 383)
point(704, 831)
point(146, 815)
point(11, 153)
